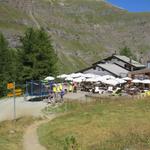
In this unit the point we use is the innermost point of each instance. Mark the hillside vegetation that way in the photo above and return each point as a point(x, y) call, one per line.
point(113, 125)
point(83, 31)
point(11, 135)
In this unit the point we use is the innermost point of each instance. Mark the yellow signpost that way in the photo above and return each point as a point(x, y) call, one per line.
point(10, 85)
point(13, 93)
point(18, 92)
point(10, 94)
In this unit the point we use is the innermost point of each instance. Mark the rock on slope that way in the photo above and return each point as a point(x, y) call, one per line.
point(83, 31)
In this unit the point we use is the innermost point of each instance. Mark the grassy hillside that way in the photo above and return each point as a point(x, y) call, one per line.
point(114, 125)
point(13, 140)
point(83, 31)
point(11, 18)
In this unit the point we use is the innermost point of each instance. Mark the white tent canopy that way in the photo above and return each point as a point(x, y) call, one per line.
point(79, 80)
point(108, 77)
point(88, 75)
point(136, 81)
point(69, 78)
point(99, 78)
point(121, 81)
point(111, 82)
point(91, 80)
point(62, 76)
point(146, 81)
point(49, 78)
point(127, 79)
point(75, 75)
point(79, 77)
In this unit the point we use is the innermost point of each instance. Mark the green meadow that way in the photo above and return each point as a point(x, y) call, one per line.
point(111, 125)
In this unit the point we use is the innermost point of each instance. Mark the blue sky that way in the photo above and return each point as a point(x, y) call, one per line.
point(132, 5)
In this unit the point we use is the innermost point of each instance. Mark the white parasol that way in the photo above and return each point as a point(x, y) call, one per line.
point(111, 82)
point(121, 81)
point(69, 78)
point(80, 79)
point(108, 77)
point(63, 76)
point(49, 78)
point(146, 81)
point(127, 79)
point(88, 75)
point(136, 81)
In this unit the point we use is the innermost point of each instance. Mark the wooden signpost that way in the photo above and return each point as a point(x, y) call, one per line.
point(11, 86)
point(18, 92)
point(13, 92)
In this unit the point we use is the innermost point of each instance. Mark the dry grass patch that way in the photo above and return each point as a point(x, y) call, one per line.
point(11, 135)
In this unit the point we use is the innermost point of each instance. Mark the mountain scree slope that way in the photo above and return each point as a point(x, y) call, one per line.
point(82, 31)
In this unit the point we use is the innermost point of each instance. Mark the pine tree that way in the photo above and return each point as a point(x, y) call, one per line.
point(38, 56)
point(7, 65)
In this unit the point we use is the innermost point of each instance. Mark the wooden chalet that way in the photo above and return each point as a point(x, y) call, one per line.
point(115, 65)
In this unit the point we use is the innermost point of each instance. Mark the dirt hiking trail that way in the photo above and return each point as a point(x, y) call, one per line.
point(30, 139)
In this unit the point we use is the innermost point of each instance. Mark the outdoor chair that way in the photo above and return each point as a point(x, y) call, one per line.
point(110, 89)
point(117, 92)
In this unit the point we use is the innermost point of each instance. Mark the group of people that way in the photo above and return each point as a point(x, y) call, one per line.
point(57, 91)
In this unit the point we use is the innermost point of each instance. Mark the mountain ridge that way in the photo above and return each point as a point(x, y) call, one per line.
point(82, 31)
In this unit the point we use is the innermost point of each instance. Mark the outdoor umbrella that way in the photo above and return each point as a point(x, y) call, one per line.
point(136, 81)
point(99, 78)
point(127, 79)
point(76, 75)
point(49, 78)
point(91, 80)
point(121, 81)
point(146, 81)
point(80, 79)
point(111, 82)
point(108, 77)
point(88, 75)
point(69, 78)
point(63, 76)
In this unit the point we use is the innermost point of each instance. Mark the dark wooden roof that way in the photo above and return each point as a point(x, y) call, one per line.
point(85, 69)
point(103, 60)
point(122, 58)
point(142, 71)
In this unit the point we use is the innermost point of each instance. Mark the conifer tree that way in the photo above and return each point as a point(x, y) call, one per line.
point(38, 56)
point(7, 65)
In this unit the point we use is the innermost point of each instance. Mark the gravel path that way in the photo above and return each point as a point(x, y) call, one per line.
point(75, 96)
point(26, 108)
point(30, 140)
point(23, 108)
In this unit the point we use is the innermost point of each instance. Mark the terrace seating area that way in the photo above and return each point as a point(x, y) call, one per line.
point(113, 76)
point(95, 85)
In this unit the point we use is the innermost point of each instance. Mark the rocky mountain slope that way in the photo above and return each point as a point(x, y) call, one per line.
point(82, 31)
